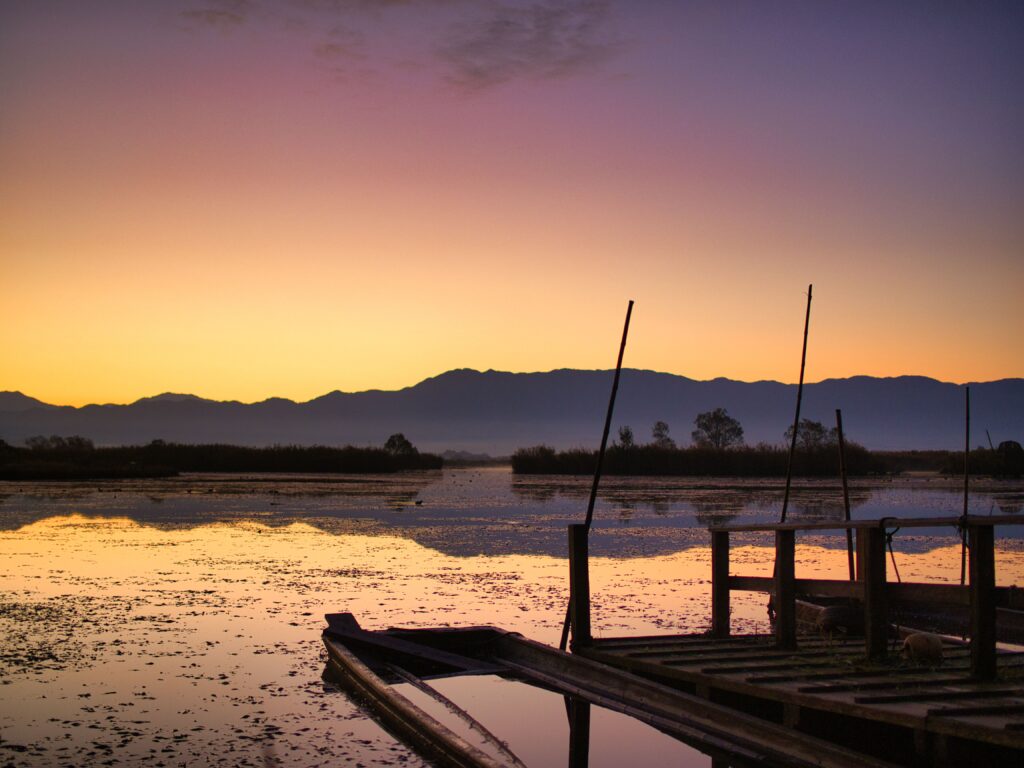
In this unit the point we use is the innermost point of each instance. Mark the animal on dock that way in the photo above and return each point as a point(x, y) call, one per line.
point(842, 619)
point(923, 648)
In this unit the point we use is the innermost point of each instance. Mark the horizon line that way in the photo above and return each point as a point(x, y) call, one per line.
point(189, 395)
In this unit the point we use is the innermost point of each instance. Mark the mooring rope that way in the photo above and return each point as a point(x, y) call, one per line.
point(888, 542)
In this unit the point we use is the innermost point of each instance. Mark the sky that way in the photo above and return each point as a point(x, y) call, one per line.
point(250, 198)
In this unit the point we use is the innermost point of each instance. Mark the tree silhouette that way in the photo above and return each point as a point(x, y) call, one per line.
point(399, 445)
point(716, 429)
point(813, 435)
point(660, 434)
point(626, 440)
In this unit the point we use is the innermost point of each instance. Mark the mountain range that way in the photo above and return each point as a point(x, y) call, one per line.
point(496, 412)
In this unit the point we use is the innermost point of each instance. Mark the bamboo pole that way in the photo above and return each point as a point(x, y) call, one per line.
point(792, 442)
point(796, 419)
point(608, 420)
point(967, 474)
point(600, 460)
point(846, 492)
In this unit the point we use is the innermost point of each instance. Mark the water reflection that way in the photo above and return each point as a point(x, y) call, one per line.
point(541, 727)
point(472, 512)
point(201, 643)
point(663, 495)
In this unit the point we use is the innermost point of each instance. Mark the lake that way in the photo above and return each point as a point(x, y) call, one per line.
point(178, 621)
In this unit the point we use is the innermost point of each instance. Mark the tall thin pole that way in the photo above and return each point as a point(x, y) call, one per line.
point(608, 420)
point(846, 492)
point(796, 419)
point(600, 457)
point(967, 474)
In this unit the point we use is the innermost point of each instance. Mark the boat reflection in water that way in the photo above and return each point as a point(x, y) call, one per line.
point(541, 727)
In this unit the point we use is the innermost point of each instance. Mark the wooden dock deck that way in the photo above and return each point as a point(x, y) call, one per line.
point(855, 692)
point(919, 715)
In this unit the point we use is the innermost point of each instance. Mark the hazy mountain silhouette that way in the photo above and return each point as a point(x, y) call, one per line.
point(15, 401)
point(496, 412)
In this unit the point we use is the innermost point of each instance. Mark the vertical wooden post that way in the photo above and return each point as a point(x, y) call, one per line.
point(579, 731)
point(871, 548)
point(983, 606)
point(785, 589)
point(579, 585)
point(846, 493)
point(720, 583)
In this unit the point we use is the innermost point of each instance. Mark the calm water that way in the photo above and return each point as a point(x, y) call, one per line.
point(178, 622)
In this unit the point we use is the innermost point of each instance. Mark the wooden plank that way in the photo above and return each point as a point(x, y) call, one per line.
point(856, 525)
point(885, 683)
point(822, 587)
point(684, 652)
point(863, 672)
point(978, 693)
point(993, 709)
point(899, 593)
point(671, 657)
point(720, 584)
point(616, 643)
point(767, 666)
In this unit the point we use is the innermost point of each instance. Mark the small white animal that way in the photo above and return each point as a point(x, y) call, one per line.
point(923, 648)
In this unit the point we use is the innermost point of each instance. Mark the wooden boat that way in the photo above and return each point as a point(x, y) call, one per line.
point(367, 662)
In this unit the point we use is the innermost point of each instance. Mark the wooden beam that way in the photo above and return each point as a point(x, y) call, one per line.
point(785, 589)
point(899, 593)
point(856, 525)
point(720, 584)
point(983, 603)
point(579, 585)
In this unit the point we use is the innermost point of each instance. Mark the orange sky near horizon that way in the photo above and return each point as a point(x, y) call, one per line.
point(293, 199)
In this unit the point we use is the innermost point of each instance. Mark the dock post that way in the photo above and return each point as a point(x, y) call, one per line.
point(579, 731)
point(785, 589)
point(983, 606)
point(871, 549)
point(720, 583)
point(579, 585)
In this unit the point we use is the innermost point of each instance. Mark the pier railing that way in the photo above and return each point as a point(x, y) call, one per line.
point(871, 587)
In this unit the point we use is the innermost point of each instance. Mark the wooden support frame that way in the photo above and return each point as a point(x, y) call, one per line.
point(579, 585)
point(986, 602)
point(785, 589)
point(720, 584)
point(983, 605)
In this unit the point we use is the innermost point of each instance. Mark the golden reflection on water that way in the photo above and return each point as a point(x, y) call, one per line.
point(198, 642)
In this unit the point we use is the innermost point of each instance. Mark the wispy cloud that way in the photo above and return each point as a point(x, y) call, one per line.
point(478, 44)
point(222, 15)
point(539, 40)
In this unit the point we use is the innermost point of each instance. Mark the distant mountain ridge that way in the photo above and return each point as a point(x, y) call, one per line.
point(495, 412)
point(15, 401)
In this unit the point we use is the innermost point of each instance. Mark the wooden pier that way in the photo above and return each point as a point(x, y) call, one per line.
point(855, 692)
